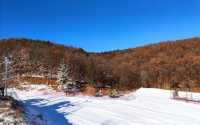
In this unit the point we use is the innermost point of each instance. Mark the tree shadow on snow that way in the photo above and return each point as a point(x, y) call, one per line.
point(49, 111)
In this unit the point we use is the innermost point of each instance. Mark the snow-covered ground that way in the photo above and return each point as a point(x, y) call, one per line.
point(143, 107)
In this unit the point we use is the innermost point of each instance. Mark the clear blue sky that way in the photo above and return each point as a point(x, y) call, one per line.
point(100, 25)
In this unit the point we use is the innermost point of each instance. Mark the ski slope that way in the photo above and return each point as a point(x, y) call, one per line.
point(143, 107)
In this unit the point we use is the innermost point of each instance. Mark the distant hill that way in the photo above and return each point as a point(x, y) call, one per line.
point(155, 65)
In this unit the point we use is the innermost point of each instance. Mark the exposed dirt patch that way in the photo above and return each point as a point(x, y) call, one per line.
point(11, 113)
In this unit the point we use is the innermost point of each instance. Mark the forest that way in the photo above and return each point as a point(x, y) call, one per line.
point(154, 65)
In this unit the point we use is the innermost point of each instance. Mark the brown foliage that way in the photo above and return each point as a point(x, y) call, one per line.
point(153, 65)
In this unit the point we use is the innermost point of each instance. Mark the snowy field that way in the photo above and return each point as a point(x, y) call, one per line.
point(143, 107)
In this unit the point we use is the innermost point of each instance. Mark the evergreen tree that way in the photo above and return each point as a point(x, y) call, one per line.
point(63, 74)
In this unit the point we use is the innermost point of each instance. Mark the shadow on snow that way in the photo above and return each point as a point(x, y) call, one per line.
point(49, 111)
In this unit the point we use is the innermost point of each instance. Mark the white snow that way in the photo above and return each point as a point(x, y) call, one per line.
point(143, 107)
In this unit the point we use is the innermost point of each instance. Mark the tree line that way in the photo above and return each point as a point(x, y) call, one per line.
point(153, 65)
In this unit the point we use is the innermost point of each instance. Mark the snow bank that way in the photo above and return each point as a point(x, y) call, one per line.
point(143, 107)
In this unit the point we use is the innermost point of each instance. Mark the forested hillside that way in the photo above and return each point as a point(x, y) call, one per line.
point(155, 65)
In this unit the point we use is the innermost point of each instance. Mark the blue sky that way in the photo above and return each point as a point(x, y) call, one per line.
point(100, 25)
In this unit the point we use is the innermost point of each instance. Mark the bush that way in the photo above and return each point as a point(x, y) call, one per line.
point(114, 93)
point(98, 94)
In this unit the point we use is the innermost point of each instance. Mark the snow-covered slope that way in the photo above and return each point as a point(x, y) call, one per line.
point(143, 107)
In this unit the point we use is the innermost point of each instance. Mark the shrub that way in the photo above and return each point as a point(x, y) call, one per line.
point(114, 93)
point(98, 93)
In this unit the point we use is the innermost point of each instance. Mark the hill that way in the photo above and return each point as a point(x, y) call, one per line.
point(155, 65)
